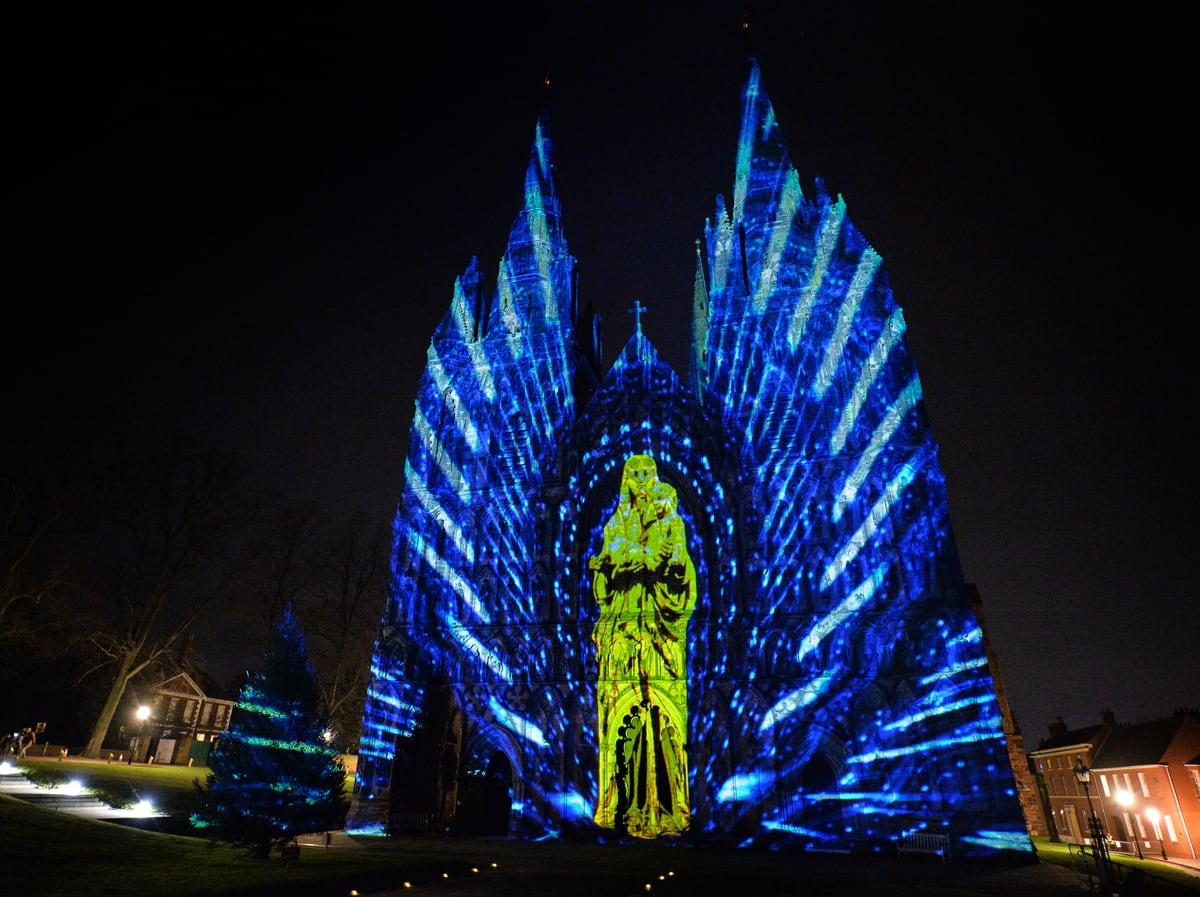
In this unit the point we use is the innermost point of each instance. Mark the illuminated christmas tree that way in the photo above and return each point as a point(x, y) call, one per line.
point(273, 776)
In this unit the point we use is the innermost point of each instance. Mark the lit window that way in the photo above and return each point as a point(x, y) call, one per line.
point(1145, 785)
point(1104, 785)
point(1170, 826)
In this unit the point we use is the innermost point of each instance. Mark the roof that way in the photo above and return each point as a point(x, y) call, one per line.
point(1137, 744)
point(1129, 744)
point(179, 684)
point(1086, 735)
point(183, 684)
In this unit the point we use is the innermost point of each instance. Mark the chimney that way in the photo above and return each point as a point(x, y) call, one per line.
point(1108, 718)
point(1057, 727)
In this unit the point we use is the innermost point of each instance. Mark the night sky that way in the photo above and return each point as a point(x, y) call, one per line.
point(249, 225)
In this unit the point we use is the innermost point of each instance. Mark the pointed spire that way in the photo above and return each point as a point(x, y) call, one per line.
point(763, 163)
point(697, 364)
point(541, 160)
point(536, 243)
point(539, 180)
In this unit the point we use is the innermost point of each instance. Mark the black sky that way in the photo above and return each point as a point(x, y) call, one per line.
point(249, 224)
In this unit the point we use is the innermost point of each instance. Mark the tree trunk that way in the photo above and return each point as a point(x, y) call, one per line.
point(115, 693)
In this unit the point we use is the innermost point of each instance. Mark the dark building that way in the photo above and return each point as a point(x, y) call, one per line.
point(1034, 804)
point(726, 605)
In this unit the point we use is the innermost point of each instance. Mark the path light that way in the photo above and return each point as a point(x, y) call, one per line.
point(1099, 848)
point(1152, 814)
point(143, 714)
point(1125, 799)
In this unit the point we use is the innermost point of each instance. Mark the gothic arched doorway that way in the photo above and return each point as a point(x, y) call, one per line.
point(822, 813)
point(486, 798)
point(497, 795)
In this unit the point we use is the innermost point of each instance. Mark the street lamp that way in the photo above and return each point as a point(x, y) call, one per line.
point(143, 714)
point(1152, 815)
point(1099, 848)
point(1125, 799)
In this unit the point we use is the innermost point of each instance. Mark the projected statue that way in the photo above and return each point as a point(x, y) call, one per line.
point(645, 584)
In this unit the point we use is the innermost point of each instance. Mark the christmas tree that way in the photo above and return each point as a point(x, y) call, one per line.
point(273, 776)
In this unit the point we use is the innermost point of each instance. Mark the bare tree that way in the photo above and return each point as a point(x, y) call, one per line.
point(35, 512)
point(342, 623)
point(27, 578)
point(335, 579)
point(284, 568)
point(176, 513)
point(282, 554)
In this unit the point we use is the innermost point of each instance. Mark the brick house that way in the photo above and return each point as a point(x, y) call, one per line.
point(184, 722)
point(1145, 783)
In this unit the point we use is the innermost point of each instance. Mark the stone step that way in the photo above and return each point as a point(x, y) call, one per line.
point(15, 784)
point(76, 803)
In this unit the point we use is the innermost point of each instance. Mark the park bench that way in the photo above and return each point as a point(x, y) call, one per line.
point(924, 843)
point(409, 822)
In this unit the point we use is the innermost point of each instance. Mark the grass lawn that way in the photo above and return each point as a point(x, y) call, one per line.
point(169, 788)
point(49, 852)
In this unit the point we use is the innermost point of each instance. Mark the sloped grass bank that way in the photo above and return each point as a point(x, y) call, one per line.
point(47, 852)
point(169, 788)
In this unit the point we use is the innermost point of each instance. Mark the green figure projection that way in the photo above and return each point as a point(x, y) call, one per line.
point(645, 584)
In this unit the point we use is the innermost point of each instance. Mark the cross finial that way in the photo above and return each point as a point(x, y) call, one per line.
point(637, 311)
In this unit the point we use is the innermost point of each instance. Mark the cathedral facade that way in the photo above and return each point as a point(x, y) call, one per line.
point(723, 606)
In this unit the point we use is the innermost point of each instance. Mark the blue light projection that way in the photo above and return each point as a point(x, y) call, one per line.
point(837, 689)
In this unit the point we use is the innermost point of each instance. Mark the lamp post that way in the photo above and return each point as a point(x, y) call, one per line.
point(1125, 799)
point(1099, 848)
point(1152, 815)
point(143, 714)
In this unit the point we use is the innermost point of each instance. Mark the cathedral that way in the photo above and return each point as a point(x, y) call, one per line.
point(722, 605)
